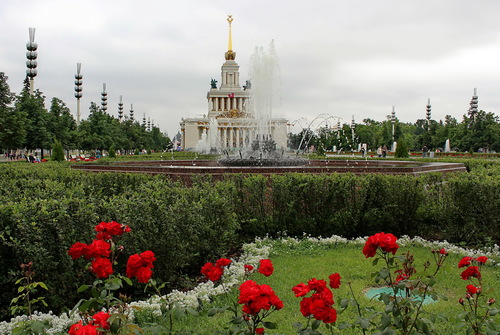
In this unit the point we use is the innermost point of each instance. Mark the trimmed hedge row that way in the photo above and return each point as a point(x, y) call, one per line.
point(45, 208)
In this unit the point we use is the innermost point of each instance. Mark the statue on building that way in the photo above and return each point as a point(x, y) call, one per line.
point(213, 83)
point(248, 85)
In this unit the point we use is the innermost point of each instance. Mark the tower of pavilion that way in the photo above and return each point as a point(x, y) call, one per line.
point(235, 127)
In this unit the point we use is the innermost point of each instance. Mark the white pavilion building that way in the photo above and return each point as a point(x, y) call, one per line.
point(227, 115)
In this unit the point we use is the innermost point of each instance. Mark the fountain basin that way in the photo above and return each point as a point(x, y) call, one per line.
point(184, 170)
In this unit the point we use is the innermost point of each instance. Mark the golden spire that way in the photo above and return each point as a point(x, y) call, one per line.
point(230, 55)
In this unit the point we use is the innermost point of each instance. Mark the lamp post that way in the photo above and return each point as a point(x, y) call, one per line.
point(353, 126)
point(132, 112)
point(78, 90)
point(104, 98)
point(120, 109)
point(473, 107)
point(393, 121)
point(428, 113)
point(31, 62)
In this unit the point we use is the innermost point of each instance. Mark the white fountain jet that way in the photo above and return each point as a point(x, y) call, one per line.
point(265, 93)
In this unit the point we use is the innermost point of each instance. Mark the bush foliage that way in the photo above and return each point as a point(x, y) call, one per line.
point(45, 208)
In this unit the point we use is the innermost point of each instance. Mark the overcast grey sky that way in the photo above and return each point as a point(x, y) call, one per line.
point(343, 58)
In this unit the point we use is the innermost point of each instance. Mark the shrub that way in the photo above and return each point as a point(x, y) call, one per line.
point(57, 151)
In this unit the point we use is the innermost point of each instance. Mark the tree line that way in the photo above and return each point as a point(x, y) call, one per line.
point(478, 132)
point(26, 123)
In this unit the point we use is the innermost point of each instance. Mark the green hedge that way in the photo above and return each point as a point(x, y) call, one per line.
point(45, 208)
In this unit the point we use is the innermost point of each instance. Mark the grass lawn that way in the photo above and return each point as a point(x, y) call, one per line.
point(299, 263)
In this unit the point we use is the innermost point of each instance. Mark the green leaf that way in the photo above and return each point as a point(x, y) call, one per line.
point(113, 284)
point(384, 273)
point(192, 311)
point(270, 325)
point(82, 288)
point(212, 311)
point(385, 320)
point(42, 285)
point(37, 327)
point(315, 324)
point(178, 313)
point(127, 280)
point(20, 289)
point(344, 303)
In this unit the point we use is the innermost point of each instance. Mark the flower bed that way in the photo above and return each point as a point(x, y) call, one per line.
point(236, 271)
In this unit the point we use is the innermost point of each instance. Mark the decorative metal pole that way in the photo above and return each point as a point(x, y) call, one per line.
point(120, 109)
point(132, 112)
point(428, 113)
point(78, 90)
point(393, 121)
point(144, 120)
point(353, 126)
point(104, 98)
point(31, 62)
point(473, 107)
point(149, 124)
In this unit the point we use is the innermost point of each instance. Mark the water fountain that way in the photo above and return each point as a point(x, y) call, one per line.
point(209, 142)
point(263, 104)
point(447, 146)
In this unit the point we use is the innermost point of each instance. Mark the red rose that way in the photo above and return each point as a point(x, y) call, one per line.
point(443, 251)
point(102, 267)
point(148, 257)
point(98, 248)
point(248, 267)
point(386, 242)
point(74, 328)
point(206, 268)
point(471, 289)
point(471, 272)
point(106, 230)
point(464, 262)
point(212, 272)
point(334, 280)
point(215, 273)
point(259, 331)
point(482, 259)
point(79, 329)
point(301, 290)
point(266, 267)
point(255, 298)
point(101, 320)
point(223, 262)
point(317, 285)
point(140, 265)
point(143, 274)
point(78, 250)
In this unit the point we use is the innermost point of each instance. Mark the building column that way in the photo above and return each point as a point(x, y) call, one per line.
point(231, 137)
point(237, 130)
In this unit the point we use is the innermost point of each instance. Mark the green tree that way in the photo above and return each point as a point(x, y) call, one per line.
point(61, 124)
point(57, 151)
point(37, 133)
point(12, 121)
point(401, 148)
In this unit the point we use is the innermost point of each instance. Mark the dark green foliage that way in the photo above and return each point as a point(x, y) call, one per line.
point(57, 152)
point(112, 152)
point(401, 149)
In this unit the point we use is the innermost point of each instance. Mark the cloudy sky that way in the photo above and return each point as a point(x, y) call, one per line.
point(339, 58)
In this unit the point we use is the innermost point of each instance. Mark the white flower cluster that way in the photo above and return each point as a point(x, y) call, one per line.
point(493, 253)
point(58, 324)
